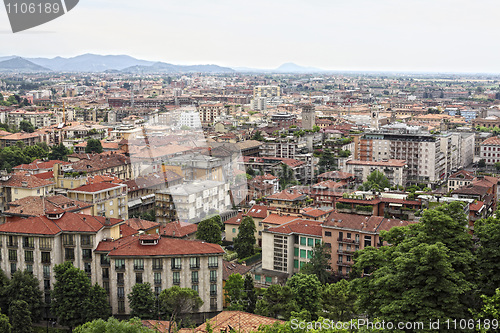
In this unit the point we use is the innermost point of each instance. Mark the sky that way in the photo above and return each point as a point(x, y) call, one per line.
point(364, 35)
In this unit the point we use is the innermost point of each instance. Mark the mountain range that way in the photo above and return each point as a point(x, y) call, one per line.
point(127, 64)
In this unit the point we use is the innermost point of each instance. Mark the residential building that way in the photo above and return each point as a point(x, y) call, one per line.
point(209, 112)
point(108, 199)
point(490, 150)
point(15, 187)
point(459, 179)
point(287, 201)
point(266, 91)
point(396, 171)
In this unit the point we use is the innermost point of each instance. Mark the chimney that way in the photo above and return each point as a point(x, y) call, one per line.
point(107, 221)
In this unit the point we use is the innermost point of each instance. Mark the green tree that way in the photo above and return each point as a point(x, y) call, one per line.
point(37, 151)
point(59, 152)
point(25, 287)
point(489, 310)
point(234, 292)
point(319, 264)
point(4, 299)
point(327, 161)
point(177, 302)
point(306, 289)
point(209, 231)
point(96, 304)
point(142, 301)
point(424, 275)
point(70, 293)
point(337, 301)
point(376, 181)
point(245, 241)
point(258, 136)
point(251, 295)
point(497, 166)
point(113, 325)
point(93, 146)
point(26, 126)
point(11, 157)
point(277, 302)
point(5, 325)
point(20, 317)
point(487, 254)
point(482, 163)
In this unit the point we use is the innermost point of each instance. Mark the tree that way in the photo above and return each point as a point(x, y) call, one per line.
point(319, 263)
point(37, 151)
point(93, 146)
point(245, 241)
point(490, 310)
point(497, 166)
point(306, 289)
point(176, 302)
point(277, 302)
point(258, 136)
point(113, 325)
point(488, 254)
point(481, 163)
point(327, 161)
point(376, 181)
point(25, 287)
point(96, 304)
point(4, 300)
point(59, 152)
point(337, 301)
point(26, 126)
point(251, 296)
point(234, 292)
point(5, 325)
point(70, 295)
point(209, 231)
point(142, 301)
point(20, 317)
point(424, 275)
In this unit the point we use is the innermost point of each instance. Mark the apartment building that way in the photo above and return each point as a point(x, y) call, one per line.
point(422, 151)
point(266, 91)
point(460, 179)
point(344, 234)
point(490, 150)
point(396, 171)
point(109, 200)
point(164, 262)
point(37, 244)
point(104, 164)
point(287, 201)
point(208, 113)
point(15, 187)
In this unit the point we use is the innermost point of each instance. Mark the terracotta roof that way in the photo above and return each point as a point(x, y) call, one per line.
point(45, 175)
point(34, 205)
point(287, 195)
point(236, 220)
point(229, 268)
point(237, 321)
point(27, 181)
point(462, 174)
point(257, 211)
point(393, 163)
point(362, 222)
point(299, 226)
point(278, 219)
point(315, 212)
point(99, 162)
point(95, 187)
point(39, 165)
point(166, 247)
point(126, 230)
point(160, 325)
point(336, 175)
point(139, 224)
point(103, 179)
point(494, 140)
point(178, 229)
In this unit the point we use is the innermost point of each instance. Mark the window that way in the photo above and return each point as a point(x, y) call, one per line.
point(46, 271)
point(120, 264)
point(176, 263)
point(29, 242)
point(157, 263)
point(213, 303)
point(104, 260)
point(45, 243)
point(269, 279)
point(138, 277)
point(340, 258)
point(105, 273)
point(348, 235)
point(157, 291)
point(194, 262)
point(317, 242)
point(13, 255)
point(341, 235)
point(310, 242)
point(368, 241)
point(213, 289)
point(68, 240)
point(309, 254)
point(176, 277)
point(302, 253)
point(121, 306)
point(119, 278)
point(121, 292)
point(302, 241)
point(139, 264)
point(213, 262)
point(213, 276)
point(194, 287)
point(46, 284)
point(257, 277)
point(357, 238)
point(69, 254)
point(157, 278)
point(295, 263)
point(194, 277)
point(86, 254)
point(296, 251)
point(86, 240)
point(13, 267)
point(29, 268)
point(234, 230)
point(28, 256)
point(105, 285)
point(12, 242)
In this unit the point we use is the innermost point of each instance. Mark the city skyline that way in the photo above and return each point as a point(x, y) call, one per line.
point(416, 36)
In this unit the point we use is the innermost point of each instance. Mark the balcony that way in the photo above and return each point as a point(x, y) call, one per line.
point(196, 266)
point(345, 264)
point(348, 252)
point(347, 241)
point(13, 244)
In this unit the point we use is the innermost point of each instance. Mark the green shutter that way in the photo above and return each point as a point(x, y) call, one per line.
point(296, 251)
point(257, 277)
point(302, 253)
point(302, 241)
point(310, 242)
point(269, 279)
point(296, 263)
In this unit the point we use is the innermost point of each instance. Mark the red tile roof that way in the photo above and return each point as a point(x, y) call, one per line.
point(39, 164)
point(29, 181)
point(238, 321)
point(362, 222)
point(494, 140)
point(178, 229)
point(229, 268)
point(34, 206)
point(139, 224)
point(287, 195)
point(257, 211)
point(278, 219)
point(299, 226)
point(236, 220)
point(95, 187)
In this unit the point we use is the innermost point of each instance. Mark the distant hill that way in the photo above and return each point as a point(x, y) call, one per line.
point(19, 64)
point(162, 67)
point(290, 67)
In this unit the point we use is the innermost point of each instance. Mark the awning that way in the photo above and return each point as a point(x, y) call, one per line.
point(149, 196)
point(393, 204)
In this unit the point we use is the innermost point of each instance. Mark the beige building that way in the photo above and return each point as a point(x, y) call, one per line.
point(15, 187)
point(396, 171)
point(266, 91)
point(109, 200)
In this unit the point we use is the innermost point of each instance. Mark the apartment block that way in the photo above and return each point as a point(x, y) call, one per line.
point(396, 171)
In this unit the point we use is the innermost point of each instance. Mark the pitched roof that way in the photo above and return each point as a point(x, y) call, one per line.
point(336, 175)
point(278, 219)
point(462, 174)
point(166, 247)
point(34, 205)
point(299, 226)
point(26, 181)
point(287, 195)
point(39, 164)
point(257, 211)
point(95, 187)
point(236, 220)
point(139, 224)
point(494, 140)
point(238, 321)
point(229, 268)
point(178, 229)
point(371, 224)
